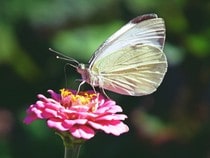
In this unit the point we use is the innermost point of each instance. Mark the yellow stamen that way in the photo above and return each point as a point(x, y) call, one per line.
point(81, 98)
point(65, 93)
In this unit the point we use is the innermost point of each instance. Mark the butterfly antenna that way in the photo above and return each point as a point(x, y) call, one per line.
point(65, 57)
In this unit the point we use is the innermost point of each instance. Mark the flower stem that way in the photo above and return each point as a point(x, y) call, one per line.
point(72, 145)
point(72, 151)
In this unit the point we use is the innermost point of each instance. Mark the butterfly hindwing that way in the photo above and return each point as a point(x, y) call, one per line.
point(136, 70)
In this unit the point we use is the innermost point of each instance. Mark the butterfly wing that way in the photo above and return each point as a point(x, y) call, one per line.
point(134, 70)
point(146, 30)
point(132, 61)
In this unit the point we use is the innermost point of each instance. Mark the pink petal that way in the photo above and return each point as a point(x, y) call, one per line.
point(30, 118)
point(84, 132)
point(57, 124)
point(73, 122)
point(114, 127)
point(112, 117)
point(37, 112)
point(54, 95)
point(111, 109)
point(47, 113)
point(118, 129)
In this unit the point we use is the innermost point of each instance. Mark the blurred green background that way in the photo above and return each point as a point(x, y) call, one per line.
point(174, 122)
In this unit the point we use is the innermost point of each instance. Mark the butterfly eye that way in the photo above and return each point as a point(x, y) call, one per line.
point(81, 66)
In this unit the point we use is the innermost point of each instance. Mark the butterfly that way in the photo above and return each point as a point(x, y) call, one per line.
point(131, 61)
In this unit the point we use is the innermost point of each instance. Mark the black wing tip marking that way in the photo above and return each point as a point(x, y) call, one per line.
point(141, 18)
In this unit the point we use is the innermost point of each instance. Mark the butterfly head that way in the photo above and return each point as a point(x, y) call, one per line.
point(84, 71)
point(81, 68)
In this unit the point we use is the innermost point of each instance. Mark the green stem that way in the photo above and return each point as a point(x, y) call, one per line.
point(72, 145)
point(72, 151)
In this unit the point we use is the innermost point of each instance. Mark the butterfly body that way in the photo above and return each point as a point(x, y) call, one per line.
point(88, 76)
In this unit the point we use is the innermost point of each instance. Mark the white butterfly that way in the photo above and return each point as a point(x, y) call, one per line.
point(131, 61)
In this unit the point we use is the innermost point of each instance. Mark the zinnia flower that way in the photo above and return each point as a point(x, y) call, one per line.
point(79, 114)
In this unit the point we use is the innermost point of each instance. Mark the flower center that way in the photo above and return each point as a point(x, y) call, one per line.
point(68, 98)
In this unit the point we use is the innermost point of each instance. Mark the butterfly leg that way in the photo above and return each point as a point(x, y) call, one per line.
point(104, 93)
point(94, 89)
point(80, 86)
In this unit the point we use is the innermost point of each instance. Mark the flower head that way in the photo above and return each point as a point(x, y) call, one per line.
point(79, 114)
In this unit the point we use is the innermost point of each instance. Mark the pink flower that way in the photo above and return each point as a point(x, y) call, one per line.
point(79, 114)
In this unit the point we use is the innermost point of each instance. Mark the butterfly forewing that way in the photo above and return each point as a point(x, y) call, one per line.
point(147, 29)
